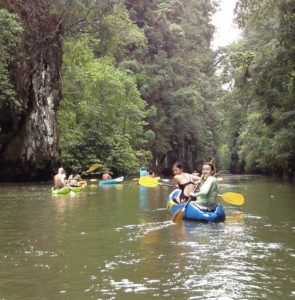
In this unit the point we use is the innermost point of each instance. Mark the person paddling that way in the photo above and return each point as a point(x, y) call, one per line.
point(106, 175)
point(151, 174)
point(184, 181)
point(207, 196)
point(75, 179)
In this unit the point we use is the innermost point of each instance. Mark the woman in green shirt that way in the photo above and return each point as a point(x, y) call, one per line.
point(207, 194)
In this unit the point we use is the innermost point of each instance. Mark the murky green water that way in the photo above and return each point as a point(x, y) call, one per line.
point(118, 242)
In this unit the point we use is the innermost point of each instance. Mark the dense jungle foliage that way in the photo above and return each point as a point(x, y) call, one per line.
point(258, 111)
point(139, 84)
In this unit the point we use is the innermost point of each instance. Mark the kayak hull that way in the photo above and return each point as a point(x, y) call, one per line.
point(76, 189)
point(64, 190)
point(111, 181)
point(193, 212)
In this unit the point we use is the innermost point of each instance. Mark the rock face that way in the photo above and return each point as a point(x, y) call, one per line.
point(33, 150)
point(29, 145)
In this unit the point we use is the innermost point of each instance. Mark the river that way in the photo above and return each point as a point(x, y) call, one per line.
point(118, 242)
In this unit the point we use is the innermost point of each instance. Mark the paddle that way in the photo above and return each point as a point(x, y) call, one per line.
point(232, 198)
point(93, 168)
point(149, 181)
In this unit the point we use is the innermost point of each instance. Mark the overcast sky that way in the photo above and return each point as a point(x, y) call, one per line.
point(226, 30)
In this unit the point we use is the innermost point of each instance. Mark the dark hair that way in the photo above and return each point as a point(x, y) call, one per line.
point(211, 166)
point(178, 165)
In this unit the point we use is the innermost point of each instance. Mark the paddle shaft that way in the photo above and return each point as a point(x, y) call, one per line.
point(190, 197)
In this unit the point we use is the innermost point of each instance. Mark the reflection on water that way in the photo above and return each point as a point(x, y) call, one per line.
point(143, 199)
point(118, 242)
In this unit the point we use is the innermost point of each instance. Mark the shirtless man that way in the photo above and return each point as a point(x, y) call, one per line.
point(60, 179)
point(106, 176)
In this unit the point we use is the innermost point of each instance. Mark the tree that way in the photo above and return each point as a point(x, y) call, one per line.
point(102, 115)
point(10, 30)
point(176, 78)
point(261, 67)
point(29, 149)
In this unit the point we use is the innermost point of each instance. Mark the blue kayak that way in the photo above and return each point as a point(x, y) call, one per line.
point(111, 181)
point(193, 212)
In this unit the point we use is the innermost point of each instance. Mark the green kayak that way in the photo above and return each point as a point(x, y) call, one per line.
point(64, 190)
point(76, 189)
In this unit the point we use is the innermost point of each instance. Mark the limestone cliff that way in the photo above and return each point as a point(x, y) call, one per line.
point(29, 142)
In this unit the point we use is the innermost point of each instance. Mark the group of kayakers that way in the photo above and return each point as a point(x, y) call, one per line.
point(205, 194)
point(74, 180)
point(205, 185)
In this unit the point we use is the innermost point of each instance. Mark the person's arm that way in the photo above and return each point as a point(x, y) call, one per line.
point(205, 188)
point(175, 181)
point(195, 177)
point(64, 180)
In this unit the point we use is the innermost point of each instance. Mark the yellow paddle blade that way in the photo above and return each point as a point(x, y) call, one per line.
point(93, 168)
point(233, 198)
point(177, 217)
point(149, 181)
